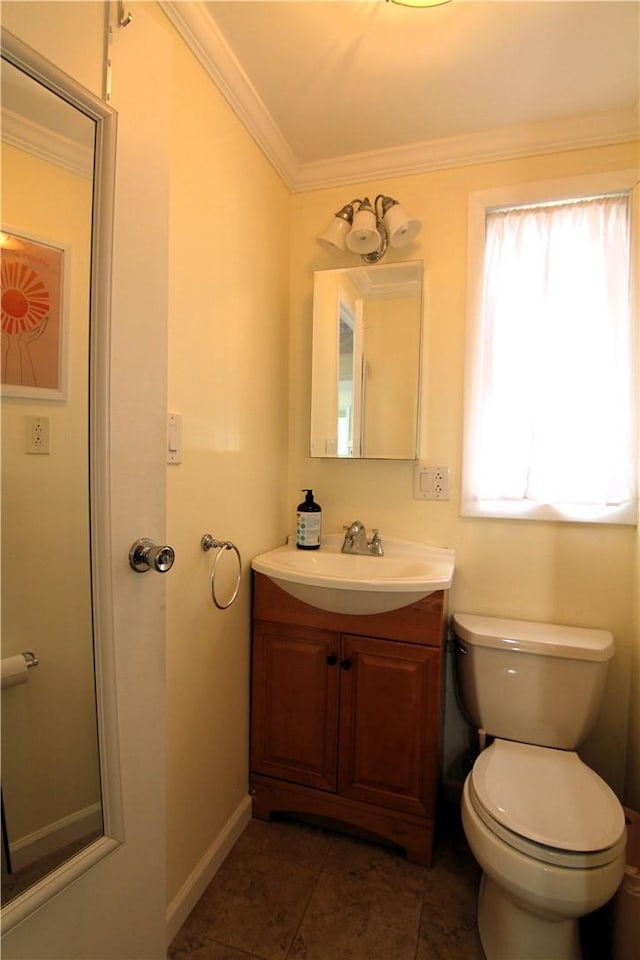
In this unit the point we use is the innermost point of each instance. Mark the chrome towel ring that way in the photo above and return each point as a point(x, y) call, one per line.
point(209, 543)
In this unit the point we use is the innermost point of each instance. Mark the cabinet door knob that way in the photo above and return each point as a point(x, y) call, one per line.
point(332, 659)
point(346, 664)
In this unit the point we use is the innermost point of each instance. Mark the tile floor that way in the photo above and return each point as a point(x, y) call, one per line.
point(292, 891)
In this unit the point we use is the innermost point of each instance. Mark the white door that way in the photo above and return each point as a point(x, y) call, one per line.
point(116, 909)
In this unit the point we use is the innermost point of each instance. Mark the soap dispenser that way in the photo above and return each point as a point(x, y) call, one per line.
point(308, 523)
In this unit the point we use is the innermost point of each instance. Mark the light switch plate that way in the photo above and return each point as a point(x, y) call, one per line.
point(174, 438)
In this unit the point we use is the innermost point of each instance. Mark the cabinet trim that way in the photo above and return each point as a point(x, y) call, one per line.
point(422, 622)
point(413, 834)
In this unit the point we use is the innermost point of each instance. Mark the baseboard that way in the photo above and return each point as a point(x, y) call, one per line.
point(54, 836)
point(204, 871)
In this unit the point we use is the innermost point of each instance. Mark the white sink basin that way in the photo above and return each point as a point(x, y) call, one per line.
point(346, 583)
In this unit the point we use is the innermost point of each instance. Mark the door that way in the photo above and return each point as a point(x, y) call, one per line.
point(294, 702)
point(389, 723)
point(116, 908)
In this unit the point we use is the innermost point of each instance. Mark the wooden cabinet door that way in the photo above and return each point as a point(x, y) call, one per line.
point(389, 724)
point(294, 718)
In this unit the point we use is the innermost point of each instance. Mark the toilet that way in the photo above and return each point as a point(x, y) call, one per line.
point(547, 831)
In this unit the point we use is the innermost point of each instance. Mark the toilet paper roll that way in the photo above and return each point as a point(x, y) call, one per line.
point(13, 671)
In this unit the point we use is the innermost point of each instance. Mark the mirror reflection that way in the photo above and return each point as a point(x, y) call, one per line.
point(367, 329)
point(50, 778)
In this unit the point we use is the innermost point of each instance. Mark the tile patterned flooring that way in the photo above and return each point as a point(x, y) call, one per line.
point(293, 891)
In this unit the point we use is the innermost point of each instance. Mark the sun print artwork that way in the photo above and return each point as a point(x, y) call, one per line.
point(31, 301)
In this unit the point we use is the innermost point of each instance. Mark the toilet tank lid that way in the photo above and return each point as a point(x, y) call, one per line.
point(526, 636)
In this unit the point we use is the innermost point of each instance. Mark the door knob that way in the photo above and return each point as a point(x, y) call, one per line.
point(146, 555)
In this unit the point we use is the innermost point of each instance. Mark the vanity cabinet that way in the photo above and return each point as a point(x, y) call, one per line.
point(345, 713)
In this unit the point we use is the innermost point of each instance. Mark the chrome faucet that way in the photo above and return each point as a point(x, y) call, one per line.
point(355, 541)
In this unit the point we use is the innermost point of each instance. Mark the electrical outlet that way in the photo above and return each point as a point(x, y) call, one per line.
point(440, 483)
point(38, 435)
point(432, 483)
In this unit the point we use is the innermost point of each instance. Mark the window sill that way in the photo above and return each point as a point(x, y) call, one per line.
point(626, 513)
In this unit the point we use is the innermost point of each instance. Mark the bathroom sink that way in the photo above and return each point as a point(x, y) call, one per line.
point(349, 583)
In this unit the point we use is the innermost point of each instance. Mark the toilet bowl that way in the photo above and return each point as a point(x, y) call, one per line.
point(547, 831)
point(548, 856)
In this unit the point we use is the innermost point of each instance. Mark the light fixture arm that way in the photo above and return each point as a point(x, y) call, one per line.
point(346, 212)
point(379, 253)
point(385, 204)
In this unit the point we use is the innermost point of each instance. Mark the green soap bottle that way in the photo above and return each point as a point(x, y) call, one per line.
point(308, 523)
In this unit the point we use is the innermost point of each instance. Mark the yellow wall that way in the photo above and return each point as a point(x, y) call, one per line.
point(68, 33)
point(569, 573)
point(228, 315)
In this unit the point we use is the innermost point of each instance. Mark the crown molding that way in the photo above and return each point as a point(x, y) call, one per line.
point(208, 45)
point(507, 143)
point(46, 144)
point(210, 48)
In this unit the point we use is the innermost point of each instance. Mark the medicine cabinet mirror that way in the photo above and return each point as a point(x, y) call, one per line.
point(367, 335)
point(57, 151)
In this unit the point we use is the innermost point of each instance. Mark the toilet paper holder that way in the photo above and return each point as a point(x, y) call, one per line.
point(14, 669)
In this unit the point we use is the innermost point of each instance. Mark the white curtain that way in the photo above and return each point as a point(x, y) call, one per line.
point(554, 419)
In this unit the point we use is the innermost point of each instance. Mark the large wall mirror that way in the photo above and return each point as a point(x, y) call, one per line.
point(57, 153)
point(367, 335)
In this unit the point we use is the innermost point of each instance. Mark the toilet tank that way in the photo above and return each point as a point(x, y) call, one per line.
point(536, 683)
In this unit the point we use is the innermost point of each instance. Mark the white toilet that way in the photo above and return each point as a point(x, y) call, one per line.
point(547, 831)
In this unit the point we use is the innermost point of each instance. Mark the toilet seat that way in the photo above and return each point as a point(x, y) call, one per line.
point(548, 804)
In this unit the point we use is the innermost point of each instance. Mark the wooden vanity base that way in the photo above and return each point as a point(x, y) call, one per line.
point(345, 714)
point(414, 835)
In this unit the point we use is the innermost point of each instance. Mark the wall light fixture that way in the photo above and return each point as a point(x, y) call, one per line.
point(368, 230)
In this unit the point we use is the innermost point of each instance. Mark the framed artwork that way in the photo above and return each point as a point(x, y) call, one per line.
point(33, 310)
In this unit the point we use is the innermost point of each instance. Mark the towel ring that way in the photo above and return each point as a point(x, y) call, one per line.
point(208, 543)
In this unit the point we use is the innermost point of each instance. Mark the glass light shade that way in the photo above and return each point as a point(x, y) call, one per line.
point(364, 236)
point(334, 237)
point(401, 228)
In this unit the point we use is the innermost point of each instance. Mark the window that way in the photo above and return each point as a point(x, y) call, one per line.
point(551, 405)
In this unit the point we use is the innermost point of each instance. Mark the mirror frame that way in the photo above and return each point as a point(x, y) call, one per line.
point(15, 52)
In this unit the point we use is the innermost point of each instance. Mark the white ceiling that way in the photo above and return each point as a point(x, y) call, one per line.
point(339, 90)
